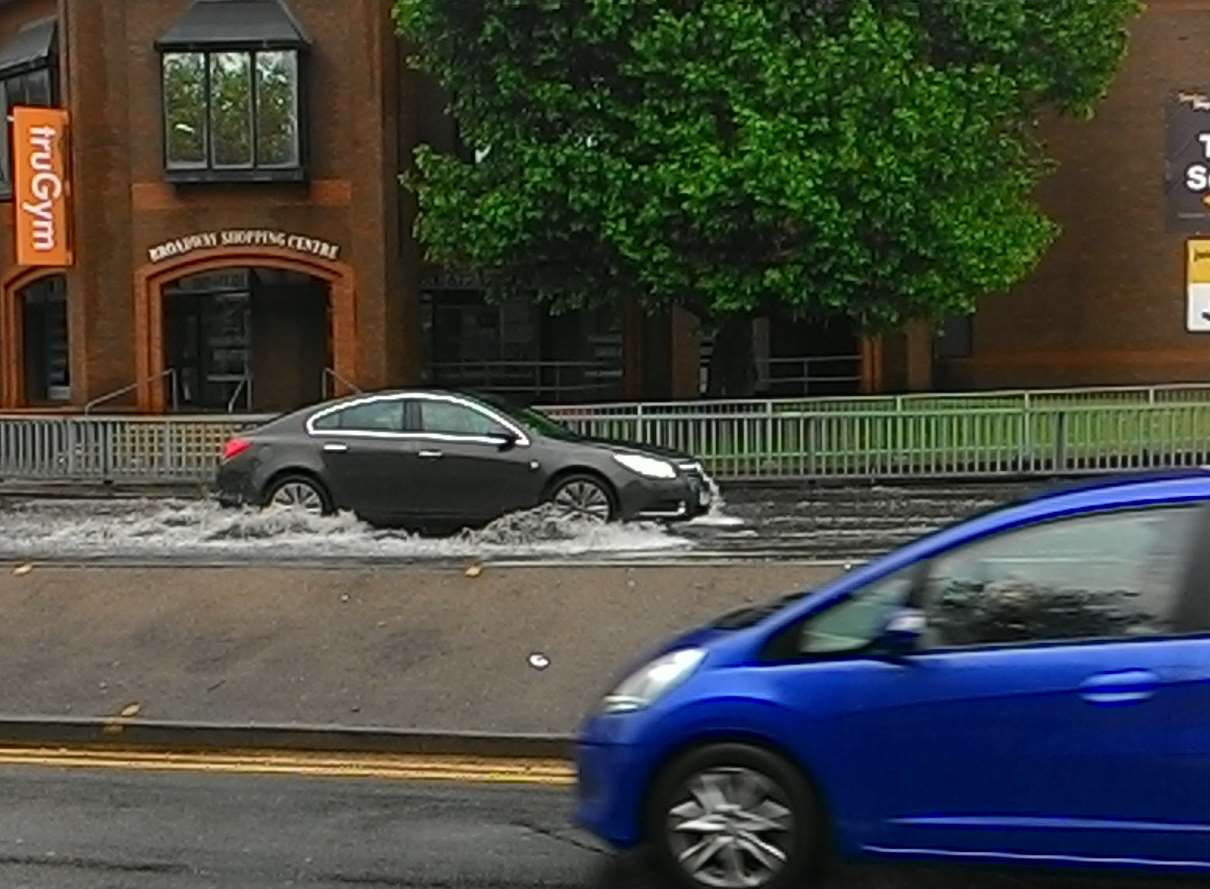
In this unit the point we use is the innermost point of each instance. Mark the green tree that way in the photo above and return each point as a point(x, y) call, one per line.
point(869, 159)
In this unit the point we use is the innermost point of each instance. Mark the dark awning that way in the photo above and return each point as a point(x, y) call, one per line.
point(237, 24)
point(29, 48)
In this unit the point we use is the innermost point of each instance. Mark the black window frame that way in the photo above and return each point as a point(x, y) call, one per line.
point(211, 173)
point(48, 64)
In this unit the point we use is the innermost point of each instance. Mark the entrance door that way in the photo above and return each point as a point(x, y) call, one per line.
point(208, 321)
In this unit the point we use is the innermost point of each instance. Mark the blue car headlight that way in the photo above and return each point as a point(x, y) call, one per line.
point(645, 686)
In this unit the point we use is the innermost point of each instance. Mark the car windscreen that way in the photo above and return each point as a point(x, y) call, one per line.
point(751, 615)
point(532, 419)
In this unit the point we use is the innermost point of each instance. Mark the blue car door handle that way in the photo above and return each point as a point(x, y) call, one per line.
point(1128, 686)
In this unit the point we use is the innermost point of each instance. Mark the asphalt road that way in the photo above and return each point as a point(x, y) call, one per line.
point(84, 829)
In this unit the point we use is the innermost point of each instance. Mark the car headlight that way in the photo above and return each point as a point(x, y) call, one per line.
point(648, 467)
point(646, 686)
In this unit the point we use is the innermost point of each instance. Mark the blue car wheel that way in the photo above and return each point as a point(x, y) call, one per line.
point(731, 816)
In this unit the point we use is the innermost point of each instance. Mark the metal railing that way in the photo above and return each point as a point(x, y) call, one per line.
point(115, 449)
point(330, 379)
point(1061, 432)
point(170, 375)
point(244, 388)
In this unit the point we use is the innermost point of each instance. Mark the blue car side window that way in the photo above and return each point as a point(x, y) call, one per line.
point(1115, 575)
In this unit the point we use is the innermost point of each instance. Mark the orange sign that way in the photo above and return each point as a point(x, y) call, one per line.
point(41, 187)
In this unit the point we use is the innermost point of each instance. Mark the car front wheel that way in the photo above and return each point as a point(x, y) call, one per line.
point(583, 497)
point(730, 816)
point(301, 493)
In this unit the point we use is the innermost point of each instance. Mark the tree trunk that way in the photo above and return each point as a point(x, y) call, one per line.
point(733, 364)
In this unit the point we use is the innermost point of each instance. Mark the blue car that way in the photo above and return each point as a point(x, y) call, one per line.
point(1030, 686)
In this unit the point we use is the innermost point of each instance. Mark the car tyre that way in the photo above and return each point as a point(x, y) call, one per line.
point(299, 492)
point(583, 497)
point(733, 815)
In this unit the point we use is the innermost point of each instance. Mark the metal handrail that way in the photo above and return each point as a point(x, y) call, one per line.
point(245, 382)
point(170, 373)
point(330, 374)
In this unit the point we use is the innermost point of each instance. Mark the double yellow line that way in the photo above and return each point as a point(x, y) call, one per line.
point(464, 769)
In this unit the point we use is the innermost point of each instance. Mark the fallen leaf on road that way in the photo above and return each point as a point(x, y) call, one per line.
point(22, 570)
point(131, 710)
point(474, 571)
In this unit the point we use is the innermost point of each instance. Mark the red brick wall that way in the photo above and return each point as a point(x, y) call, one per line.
point(1107, 305)
point(123, 205)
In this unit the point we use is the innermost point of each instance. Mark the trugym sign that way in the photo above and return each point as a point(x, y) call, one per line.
point(41, 187)
point(243, 237)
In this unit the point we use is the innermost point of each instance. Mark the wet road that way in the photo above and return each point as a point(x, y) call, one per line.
point(755, 523)
point(84, 829)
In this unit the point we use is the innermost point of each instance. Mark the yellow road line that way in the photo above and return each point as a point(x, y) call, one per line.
point(551, 772)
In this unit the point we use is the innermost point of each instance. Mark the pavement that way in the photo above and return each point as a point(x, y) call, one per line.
point(136, 828)
point(404, 648)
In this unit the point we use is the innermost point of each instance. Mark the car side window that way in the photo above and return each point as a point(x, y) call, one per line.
point(372, 416)
point(1116, 575)
point(451, 418)
point(855, 622)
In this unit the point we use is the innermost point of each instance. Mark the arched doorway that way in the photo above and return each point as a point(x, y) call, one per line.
point(230, 330)
point(34, 330)
point(246, 340)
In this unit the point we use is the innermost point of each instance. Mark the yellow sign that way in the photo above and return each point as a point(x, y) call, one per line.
point(1197, 275)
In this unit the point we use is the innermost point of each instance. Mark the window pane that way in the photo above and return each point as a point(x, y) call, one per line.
point(185, 109)
point(31, 88)
point(854, 623)
point(448, 418)
point(36, 87)
point(377, 416)
point(47, 362)
point(231, 108)
point(6, 153)
point(1102, 576)
point(277, 109)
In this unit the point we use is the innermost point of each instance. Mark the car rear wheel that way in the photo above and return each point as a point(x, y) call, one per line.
point(730, 816)
point(301, 493)
point(583, 497)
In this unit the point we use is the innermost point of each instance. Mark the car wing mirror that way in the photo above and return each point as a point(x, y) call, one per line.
point(902, 634)
point(506, 441)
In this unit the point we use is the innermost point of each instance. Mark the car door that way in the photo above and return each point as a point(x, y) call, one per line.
point(1036, 720)
point(369, 461)
point(475, 464)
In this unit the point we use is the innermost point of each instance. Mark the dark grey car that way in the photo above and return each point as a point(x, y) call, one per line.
point(439, 458)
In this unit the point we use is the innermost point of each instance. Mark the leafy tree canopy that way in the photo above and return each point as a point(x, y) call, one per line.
point(873, 159)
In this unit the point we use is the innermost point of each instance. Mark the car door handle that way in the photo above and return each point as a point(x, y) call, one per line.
point(430, 455)
point(1128, 686)
point(336, 447)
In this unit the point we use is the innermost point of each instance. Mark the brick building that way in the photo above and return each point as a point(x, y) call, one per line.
point(239, 240)
point(1108, 304)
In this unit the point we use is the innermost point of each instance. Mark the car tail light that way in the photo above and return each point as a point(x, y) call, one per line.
point(235, 447)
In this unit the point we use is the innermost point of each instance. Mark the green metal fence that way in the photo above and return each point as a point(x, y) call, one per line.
point(1060, 432)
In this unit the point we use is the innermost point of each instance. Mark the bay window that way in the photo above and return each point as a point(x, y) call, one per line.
point(234, 95)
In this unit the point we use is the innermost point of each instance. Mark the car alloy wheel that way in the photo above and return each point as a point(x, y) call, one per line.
point(734, 816)
point(732, 829)
point(299, 494)
point(583, 498)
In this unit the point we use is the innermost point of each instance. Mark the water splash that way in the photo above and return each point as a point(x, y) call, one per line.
point(203, 529)
point(716, 516)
